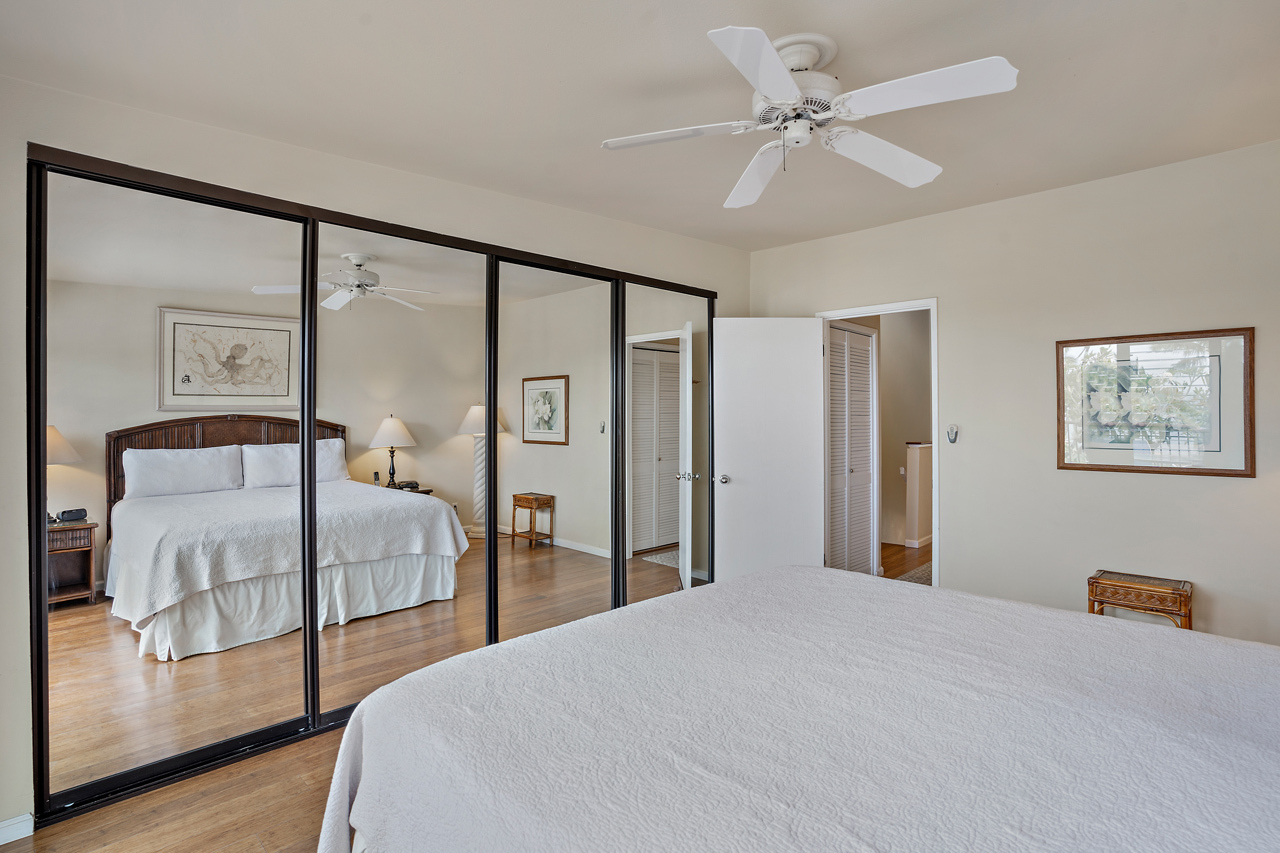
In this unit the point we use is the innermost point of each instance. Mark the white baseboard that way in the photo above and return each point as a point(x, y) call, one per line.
point(14, 828)
point(919, 543)
point(566, 543)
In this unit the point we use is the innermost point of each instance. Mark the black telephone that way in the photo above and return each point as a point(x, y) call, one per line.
point(73, 515)
point(408, 484)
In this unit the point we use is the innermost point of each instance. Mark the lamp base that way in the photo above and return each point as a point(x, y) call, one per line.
point(391, 472)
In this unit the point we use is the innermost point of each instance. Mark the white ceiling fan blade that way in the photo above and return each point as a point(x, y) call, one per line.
point(408, 290)
point(264, 289)
point(757, 176)
point(394, 299)
point(884, 157)
point(680, 133)
point(966, 80)
point(751, 52)
point(339, 299)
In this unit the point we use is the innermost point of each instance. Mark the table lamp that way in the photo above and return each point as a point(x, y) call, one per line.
point(391, 434)
point(58, 451)
point(473, 425)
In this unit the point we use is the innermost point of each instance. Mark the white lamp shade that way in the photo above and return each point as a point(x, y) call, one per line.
point(392, 433)
point(473, 423)
point(58, 451)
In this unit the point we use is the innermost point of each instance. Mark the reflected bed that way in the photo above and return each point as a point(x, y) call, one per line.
point(204, 572)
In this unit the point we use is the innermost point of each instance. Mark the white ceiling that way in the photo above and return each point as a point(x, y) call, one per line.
point(517, 96)
point(104, 234)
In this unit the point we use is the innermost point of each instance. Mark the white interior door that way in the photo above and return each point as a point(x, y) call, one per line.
point(769, 444)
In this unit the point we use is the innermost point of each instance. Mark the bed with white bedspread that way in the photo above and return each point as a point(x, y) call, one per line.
point(812, 709)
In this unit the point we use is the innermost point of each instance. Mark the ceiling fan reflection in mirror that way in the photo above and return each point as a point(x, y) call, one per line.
point(796, 100)
point(350, 284)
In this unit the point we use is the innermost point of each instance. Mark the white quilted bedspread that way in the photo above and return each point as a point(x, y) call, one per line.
point(810, 709)
point(165, 549)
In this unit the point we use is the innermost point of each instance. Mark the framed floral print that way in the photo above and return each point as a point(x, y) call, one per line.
point(546, 410)
point(1176, 403)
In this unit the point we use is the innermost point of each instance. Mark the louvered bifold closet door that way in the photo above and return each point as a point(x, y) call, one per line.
point(644, 413)
point(861, 537)
point(668, 462)
point(837, 450)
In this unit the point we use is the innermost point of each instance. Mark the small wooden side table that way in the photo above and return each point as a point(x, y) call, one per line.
point(73, 570)
point(533, 501)
point(1142, 594)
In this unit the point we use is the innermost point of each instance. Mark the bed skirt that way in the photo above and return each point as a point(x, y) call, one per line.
point(246, 611)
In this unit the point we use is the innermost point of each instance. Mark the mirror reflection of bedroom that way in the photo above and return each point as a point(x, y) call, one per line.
point(176, 562)
point(553, 451)
point(668, 404)
point(400, 362)
point(167, 548)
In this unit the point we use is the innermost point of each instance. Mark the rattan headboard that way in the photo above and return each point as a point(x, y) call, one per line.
point(201, 431)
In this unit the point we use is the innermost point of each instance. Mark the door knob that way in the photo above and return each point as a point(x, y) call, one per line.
point(850, 470)
point(724, 478)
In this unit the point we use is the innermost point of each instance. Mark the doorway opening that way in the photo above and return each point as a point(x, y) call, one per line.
point(881, 428)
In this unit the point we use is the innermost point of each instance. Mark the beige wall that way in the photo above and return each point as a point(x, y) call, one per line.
point(1187, 246)
point(906, 403)
point(38, 114)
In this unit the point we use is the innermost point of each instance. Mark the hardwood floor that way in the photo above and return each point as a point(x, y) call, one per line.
point(270, 803)
point(111, 710)
point(898, 560)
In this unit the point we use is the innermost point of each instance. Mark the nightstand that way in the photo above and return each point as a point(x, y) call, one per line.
point(418, 491)
point(73, 561)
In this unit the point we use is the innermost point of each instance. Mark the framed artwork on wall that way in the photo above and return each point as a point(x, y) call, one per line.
point(214, 362)
point(1176, 403)
point(546, 410)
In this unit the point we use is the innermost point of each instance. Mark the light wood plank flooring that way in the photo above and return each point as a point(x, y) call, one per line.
point(897, 560)
point(111, 710)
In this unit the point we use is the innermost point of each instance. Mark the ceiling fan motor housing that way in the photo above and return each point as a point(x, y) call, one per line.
point(818, 90)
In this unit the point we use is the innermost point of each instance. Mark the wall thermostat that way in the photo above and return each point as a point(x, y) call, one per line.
point(953, 432)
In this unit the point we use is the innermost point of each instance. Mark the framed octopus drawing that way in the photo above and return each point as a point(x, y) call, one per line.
point(215, 362)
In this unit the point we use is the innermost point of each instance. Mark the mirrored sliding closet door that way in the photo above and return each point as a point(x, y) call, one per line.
point(668, 441)
point(173, 583)
point(554, 449)
point(399, 462)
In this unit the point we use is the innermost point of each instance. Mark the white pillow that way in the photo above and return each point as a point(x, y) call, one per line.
point(269, 466)
point(150, 473)
point(331, 460)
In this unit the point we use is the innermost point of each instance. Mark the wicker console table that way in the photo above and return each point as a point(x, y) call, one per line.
point(1142, 594)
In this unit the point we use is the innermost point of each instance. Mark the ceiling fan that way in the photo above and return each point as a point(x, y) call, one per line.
point(350, 284)
point(796, 100)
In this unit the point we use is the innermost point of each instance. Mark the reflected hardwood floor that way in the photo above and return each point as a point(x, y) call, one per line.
point(111, 710)
point(897, 560)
